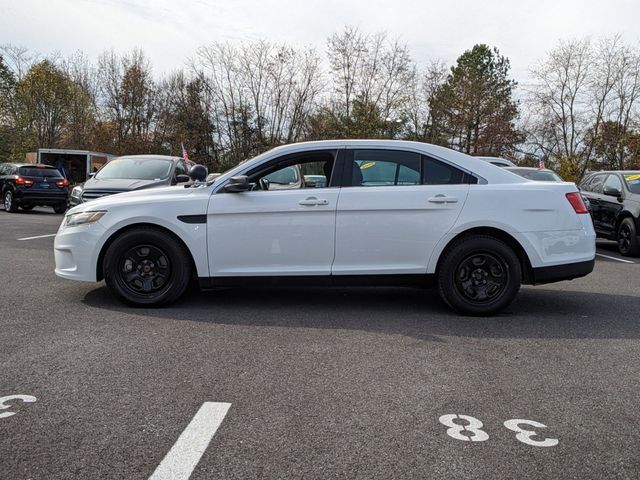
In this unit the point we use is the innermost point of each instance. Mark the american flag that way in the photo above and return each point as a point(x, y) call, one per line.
point(541, 163)
point(185, 155)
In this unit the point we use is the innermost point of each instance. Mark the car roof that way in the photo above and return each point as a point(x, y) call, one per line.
point(151, 156)
point(37, 165)
point(474, 165)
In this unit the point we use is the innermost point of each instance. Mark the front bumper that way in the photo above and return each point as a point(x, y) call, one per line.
point(76, 251)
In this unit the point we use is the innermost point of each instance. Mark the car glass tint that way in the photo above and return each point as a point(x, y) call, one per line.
point(439, 173)
point(633, 181)
point(595, 185)
point(135, 169)
point(39, 172)
point(374, 168)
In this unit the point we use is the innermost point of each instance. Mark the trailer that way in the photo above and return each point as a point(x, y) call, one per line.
point(74, 165)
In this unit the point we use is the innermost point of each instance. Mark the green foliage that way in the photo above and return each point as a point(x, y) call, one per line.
point(474, 109)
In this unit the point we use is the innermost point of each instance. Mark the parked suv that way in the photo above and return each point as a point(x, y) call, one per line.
point(27, 185)
point(615, 207)
point(134, 172)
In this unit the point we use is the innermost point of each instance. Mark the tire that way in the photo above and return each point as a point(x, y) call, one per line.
point(10, 204)
point(147, 267)
point(26, 208)
point(479, 275)
point(60, 208)
point(627, 238)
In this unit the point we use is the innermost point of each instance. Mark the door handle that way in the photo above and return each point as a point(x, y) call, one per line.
point(313, 201)
point(440, 198)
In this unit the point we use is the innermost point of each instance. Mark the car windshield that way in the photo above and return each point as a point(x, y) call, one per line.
point(135, 169)
point(633, 181)
point(39, 172)
point(537, 175)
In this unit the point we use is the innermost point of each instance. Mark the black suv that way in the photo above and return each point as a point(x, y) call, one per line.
point(27, 185)
point(615, 207)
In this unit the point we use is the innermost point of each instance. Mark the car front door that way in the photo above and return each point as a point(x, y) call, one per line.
point(398, 206)
point(593, 191)
point(283, 226)
point(610, 203)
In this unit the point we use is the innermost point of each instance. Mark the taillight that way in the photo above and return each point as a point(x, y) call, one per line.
point(62, 183)
point(24, 181)
point(575, 199)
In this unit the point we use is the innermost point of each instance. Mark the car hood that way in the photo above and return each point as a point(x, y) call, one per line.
point(121, 184)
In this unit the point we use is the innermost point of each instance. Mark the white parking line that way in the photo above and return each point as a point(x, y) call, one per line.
point(186, 452)
point(614, 258)
point(38, 236)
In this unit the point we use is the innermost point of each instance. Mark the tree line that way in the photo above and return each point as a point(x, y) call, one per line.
point(579, 111)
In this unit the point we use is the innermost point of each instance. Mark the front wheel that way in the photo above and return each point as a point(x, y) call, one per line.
point(479, 275)
point(628, 244)
point(10, 204)
point(60, 208)
point(147, 267)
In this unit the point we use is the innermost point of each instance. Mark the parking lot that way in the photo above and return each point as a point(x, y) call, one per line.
point(322, 383)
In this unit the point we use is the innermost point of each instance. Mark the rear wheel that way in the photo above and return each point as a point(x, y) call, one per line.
point(479, 275)
point(10, 204)
point(628, 244)
point(147, 267)
point(60, 208)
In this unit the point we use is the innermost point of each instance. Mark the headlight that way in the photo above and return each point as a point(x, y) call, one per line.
point(82, 218)
point(76, 192)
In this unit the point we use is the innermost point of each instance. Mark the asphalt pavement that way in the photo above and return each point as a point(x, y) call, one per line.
point(361, 383)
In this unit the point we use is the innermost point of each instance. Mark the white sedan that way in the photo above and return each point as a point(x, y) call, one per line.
point(388, 213)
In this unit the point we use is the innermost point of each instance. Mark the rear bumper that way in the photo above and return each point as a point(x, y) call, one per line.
point(40, 198)
point(557, 273)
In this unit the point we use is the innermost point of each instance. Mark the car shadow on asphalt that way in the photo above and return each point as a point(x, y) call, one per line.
point(536, 312)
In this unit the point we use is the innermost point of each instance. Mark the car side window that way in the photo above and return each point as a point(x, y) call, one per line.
point(584, 184)
point(613, 182)
point(3, 169)
point(312, 170)
point(435, 172)
point(378, 168)
point(181, 168)
point(595, 185)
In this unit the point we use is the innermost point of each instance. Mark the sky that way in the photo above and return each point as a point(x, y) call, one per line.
point(170, 31)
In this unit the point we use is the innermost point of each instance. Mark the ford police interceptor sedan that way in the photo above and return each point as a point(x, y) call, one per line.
point(386, 213)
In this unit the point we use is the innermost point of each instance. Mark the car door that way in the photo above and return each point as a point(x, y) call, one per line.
point(398, 205)
point(283, 226)
point(610, 203)
point(593, 191)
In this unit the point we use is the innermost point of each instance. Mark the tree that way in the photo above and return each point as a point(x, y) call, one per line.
point(372, 84)
point(584, 101)
point(7, 88)
point(474, 110)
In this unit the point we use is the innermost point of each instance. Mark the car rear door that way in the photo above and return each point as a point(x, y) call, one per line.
point(593, 191)
point(395, 208)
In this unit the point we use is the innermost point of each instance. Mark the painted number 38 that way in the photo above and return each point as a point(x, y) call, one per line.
point(469, 429)
point(5, 406)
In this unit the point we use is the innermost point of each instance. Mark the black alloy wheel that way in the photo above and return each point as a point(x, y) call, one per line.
point(628, 242)
point(145, 269)
point(147, 266)
point(479, 275)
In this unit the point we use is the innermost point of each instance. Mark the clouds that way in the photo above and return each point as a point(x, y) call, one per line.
point(170, 31)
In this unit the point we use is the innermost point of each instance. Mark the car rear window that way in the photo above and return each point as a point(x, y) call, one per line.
point(39, 172)
point(538, 175)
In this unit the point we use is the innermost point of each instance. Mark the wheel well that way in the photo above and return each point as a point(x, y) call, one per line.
point(105, 247)
point(527, 270)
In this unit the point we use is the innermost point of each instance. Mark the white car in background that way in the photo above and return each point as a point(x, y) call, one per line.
point(388, 213)
point(497, 161)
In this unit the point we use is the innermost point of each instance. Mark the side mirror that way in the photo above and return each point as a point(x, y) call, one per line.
point(238, 184)
point(198, 173)
point(612, 192)
point(182, 178)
